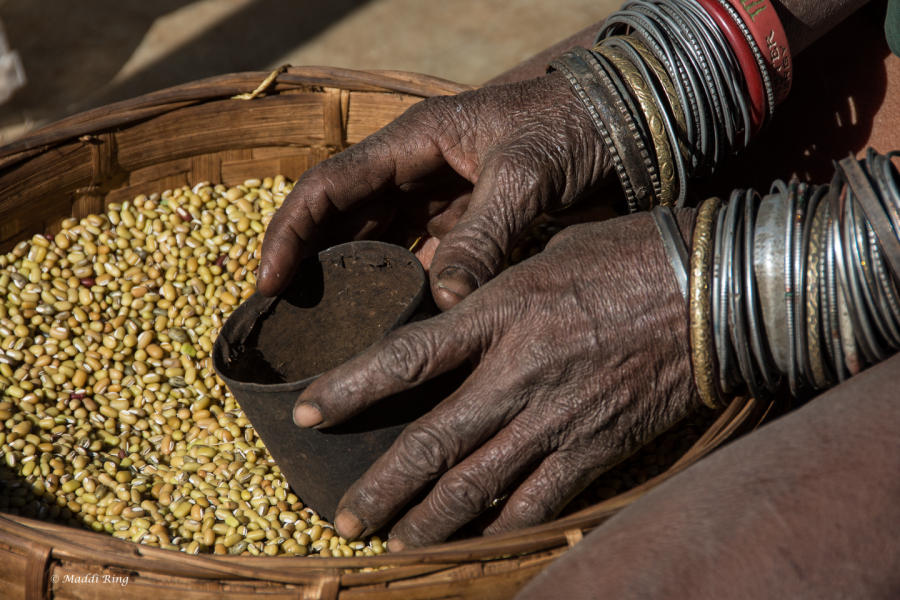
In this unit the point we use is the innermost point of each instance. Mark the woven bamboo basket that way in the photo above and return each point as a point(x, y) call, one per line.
point(200, 132)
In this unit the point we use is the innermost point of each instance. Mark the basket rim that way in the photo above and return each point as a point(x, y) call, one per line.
point(220, 87)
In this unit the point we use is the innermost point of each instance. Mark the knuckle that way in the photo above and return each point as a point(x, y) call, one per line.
point(406, 356)
point(315, 179)
point(480, 246)
point(422, 450)
point(516, 171)
point(436, 104)
point(312, 194)
point(445, 118)
point(463, 493)
point(415, 532)
point(521, 186)
point(429, 113)
point(523, 511)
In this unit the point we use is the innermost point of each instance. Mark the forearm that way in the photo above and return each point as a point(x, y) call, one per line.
point(805, 507)
point(804, 22)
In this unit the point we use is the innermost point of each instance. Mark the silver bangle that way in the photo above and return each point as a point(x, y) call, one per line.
point(673, 244)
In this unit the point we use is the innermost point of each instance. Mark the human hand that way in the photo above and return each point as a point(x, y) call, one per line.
point(583, 356)
point(473, 170)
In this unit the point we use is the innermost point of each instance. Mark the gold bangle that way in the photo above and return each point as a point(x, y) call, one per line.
point(702, 351)
point(668, 87)
point(653, 117)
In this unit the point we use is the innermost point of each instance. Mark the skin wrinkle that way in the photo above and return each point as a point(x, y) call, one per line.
point(461, 491)
point(531, 420)
point(339, 388)
point(441, 489)
point(329, 208)
point(549, 488)
point(463, 410)
point(581, 298)
point(489, 328)
point(604, 427)
point(471, 414)
point(649, 318)
point(572, 456)
point(434, 118)
point(519, 510)
point(450, 135)
point(614, 425)
point(301, 238)
point(329, 184)
point(377, 182)
point(479, 156)
point(488, 232)
point(368, 503)
point(427, 449)
point(491, 244)
point(407, 357)
point(509, 183)
point(543, 183)
point(433, 519)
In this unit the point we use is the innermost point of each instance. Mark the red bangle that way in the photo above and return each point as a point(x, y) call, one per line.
point(763, 22)
point(744, 54)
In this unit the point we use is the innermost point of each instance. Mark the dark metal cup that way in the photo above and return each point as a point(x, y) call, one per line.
point(270, 349)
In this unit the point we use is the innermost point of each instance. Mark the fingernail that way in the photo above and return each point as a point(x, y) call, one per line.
point(306, 415)
point(395, 545)
point(348, 525)
point(457, 281)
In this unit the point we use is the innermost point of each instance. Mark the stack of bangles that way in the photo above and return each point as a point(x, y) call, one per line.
point(801, 284)
point(676, 86)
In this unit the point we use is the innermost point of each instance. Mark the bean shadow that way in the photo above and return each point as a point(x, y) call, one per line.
point(19, 496)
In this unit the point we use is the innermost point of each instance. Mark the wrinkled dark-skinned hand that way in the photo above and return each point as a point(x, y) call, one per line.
point(582, 356)
point(526, 147)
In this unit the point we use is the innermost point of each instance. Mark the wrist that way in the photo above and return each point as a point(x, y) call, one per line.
point(599, 162)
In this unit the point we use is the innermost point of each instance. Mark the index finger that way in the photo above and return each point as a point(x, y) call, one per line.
point(402, 360)
point(399, 153)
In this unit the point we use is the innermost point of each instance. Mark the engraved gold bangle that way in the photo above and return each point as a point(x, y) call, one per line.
point(702, 351)
point(654, 120)
point(668, 87)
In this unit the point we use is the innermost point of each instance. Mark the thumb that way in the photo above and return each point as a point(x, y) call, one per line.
point(506, 199)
